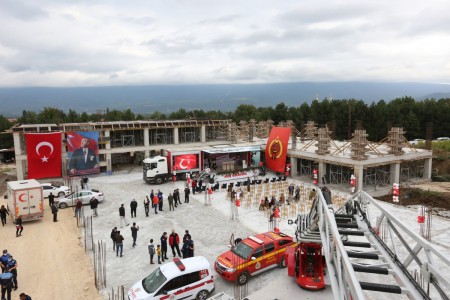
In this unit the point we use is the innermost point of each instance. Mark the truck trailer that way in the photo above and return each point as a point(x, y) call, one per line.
point(160, 168)
point(25, 198)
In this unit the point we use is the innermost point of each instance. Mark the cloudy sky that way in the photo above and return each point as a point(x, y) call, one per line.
point(116, 42)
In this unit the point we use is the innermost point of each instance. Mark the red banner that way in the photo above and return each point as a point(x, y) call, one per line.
point(185, 162)
point(276, 148)
point(43, 155)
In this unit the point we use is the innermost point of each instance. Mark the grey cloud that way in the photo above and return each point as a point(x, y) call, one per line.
point(143, 21)
point(21, 10)
point(221, 20)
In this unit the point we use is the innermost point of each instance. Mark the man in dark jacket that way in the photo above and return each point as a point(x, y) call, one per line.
point(186, 235)
point(164, 246)
point(7, 284)
point(51, 199)
point(113, 237)
point(186, 194)
point(133, 206)
point(146, 205)
point(122, 216)
point(160, 200)
point(55, 212)
point(94, 204)
point(119, 244)
point(134, 230)
point(3, 213)
point(174, 242)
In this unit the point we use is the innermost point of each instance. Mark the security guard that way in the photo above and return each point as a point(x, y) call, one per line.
point(11, 267)
point(4, 259)
point(6, 283)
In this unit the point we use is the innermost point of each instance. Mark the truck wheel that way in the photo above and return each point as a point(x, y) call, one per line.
point(202, 295)
point(60, 194)
point(63, 205)
point(159, 180)
point(282, 263)
point(242, 278)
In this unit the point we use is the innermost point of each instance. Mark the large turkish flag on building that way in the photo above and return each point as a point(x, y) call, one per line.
point(276, 148)
point(44, 155)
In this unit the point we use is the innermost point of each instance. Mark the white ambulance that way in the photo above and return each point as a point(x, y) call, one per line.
point(189, 278)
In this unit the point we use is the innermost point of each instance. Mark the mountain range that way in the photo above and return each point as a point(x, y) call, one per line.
point(224, 97)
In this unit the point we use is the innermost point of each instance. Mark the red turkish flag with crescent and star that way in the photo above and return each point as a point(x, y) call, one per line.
point(276, 148)
point(43, 154)
point(185, 162)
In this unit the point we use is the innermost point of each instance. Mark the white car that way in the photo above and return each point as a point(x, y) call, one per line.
point(57, 191)
point(417, 141)
point(84, 195)
point(441, 139)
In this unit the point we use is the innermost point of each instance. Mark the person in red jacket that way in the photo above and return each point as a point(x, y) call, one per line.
point(174, 242)
point(155, 203)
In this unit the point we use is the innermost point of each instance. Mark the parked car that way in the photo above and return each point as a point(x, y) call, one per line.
point(441, 139)
point(57, 191)
point(252, 256)
point(85, 196)
point(417, 141)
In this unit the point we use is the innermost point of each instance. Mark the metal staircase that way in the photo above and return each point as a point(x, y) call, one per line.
point(360, 261)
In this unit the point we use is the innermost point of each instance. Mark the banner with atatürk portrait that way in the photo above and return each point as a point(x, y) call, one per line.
point(276, 148)
point(82, 151)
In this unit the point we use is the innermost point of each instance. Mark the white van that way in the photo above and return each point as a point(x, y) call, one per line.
point(189, 278)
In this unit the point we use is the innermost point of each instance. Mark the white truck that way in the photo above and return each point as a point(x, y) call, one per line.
point(25, 198)
point(160, 168)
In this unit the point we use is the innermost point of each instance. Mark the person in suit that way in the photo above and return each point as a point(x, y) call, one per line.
point(83, 159)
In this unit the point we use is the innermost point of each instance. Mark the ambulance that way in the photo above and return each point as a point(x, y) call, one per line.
point(189, 278)
point(253, 255)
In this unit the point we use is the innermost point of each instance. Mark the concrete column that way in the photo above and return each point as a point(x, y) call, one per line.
point(395, 173)
point(203, 134)
point(176, 139)
point(427, 168)
point(20, 170)
point(359, 174)
point(108, 153)
point(293, 162)
point(322, 172)
point(146, 142)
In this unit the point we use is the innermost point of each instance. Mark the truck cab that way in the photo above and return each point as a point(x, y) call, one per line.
point(155, 169)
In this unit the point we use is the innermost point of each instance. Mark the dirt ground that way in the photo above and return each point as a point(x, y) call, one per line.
point(51, 260)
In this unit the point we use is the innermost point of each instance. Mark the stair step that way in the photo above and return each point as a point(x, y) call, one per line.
point(364, 255)
point(347, 225)
point(357, 244)
point(377, 287)
point(352, 232)
point(344, 216)
point(370, 269)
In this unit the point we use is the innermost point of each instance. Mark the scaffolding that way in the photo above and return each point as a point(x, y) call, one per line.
point(376, 177)
point(189, 134)
point(359, 145)
point(263, 128)
point(411, 171)
point(233, 132)
point(305, 167)
point(294, 133)
point(323, 141)
point(310, 131)
point(396, 140)
point(161, 136)
point(127, 138)
point(338, 175)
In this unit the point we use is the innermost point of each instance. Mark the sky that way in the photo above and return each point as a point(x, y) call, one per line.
point(64, 43)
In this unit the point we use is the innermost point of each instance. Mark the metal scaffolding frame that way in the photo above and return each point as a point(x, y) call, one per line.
point(375, 177)
point(411, 171)
point(160, 136)
point(126, 138)
point(338, 174)
point(189, 135)
point(305, 167)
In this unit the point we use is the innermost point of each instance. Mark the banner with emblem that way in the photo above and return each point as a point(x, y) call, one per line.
point(43, 155)
point(276, 148)
point(82, 152)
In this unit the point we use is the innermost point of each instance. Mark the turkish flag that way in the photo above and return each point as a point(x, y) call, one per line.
point(43, 154)
point(276, 148)
point(185, 162)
